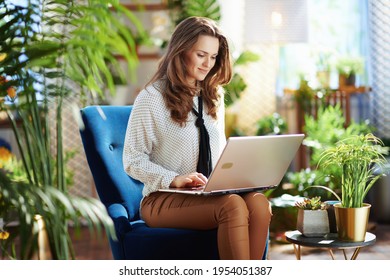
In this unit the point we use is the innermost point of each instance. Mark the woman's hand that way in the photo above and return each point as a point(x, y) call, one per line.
point(194, 179)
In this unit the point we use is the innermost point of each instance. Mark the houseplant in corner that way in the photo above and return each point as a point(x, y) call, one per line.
point(348, 67)
point(52, 53)
point(313, 220)
point(357, 158)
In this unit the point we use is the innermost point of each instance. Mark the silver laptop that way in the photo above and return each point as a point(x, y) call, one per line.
point(249, 163)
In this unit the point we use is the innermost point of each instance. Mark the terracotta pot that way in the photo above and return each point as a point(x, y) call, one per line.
point(347, 80)
point(352, 222)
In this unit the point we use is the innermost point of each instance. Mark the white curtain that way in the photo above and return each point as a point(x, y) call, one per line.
point(379, 26)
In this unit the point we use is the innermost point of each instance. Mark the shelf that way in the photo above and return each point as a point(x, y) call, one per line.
point(6, 124)
point(343, 89)
point(146, 7)
point(142, 56)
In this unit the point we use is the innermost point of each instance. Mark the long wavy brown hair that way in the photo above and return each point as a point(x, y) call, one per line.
point(178, 93)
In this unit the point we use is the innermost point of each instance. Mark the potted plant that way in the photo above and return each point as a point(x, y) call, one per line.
point(304, 95)
point(348, 67)
point(52, 53)
point(323, 62)
point(356, 158)
point(122, 93)
point(313, 220)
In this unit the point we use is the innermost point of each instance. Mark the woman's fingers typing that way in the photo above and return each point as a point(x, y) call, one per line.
point(188, 180)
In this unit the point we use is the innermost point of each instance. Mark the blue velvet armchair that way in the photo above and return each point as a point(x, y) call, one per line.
point(103, 137)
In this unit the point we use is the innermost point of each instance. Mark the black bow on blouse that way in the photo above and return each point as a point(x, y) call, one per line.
point(204, 162)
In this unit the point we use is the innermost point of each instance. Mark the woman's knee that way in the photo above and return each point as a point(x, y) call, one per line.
point(258, 202)
point(234, 207)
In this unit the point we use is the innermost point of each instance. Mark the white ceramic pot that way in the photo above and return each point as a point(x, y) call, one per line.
point(313, 223)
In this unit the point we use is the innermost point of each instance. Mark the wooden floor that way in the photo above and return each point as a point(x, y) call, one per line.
point(89, 247)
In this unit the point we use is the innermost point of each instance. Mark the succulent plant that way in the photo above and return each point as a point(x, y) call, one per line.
point(313, 203)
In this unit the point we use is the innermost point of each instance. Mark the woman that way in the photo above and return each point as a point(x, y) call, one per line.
point(176, 133)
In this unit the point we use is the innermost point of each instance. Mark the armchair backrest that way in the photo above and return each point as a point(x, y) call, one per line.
point(103, 137)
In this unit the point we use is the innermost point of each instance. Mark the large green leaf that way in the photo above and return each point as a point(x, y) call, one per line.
point(246, 57)
point(234, 89)
point(186, 8)
point(204, 8)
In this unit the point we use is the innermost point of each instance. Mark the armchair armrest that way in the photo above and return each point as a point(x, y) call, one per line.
point(119, 216)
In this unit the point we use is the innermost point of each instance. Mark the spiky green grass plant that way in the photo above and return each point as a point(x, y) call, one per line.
point(360, 160)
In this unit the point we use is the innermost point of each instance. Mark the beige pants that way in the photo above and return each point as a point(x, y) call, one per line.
point(242, 220)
